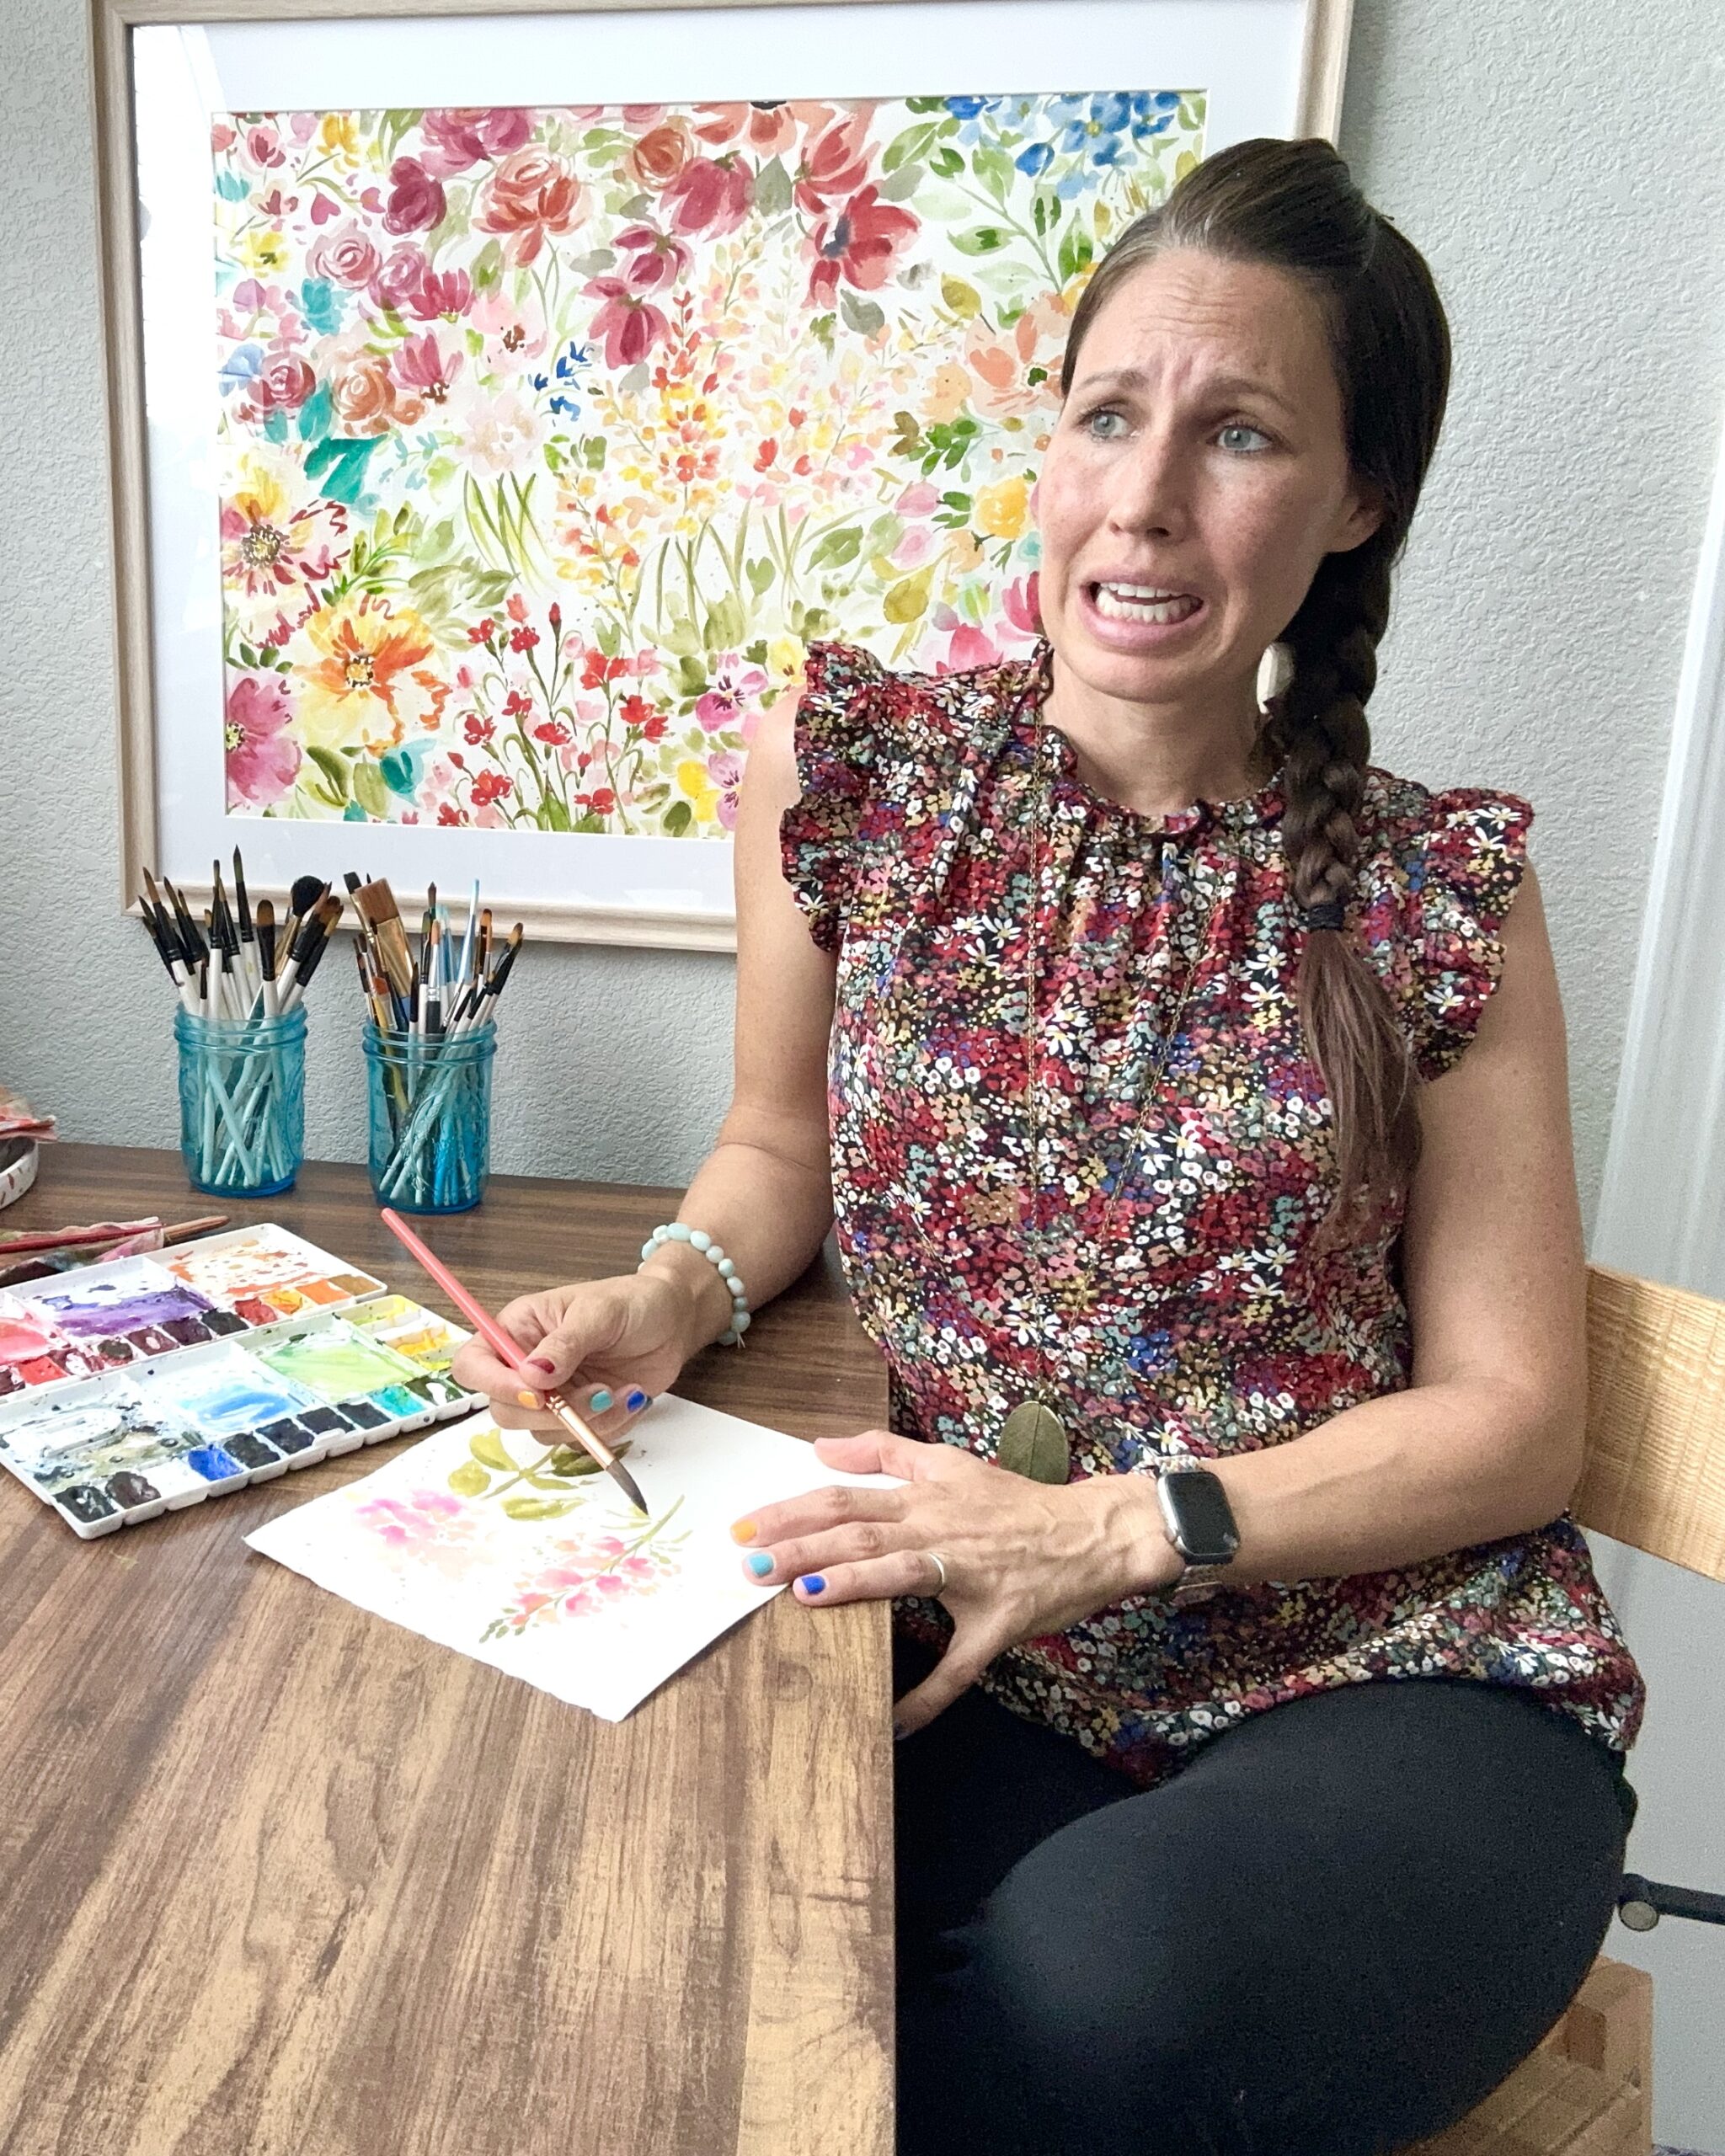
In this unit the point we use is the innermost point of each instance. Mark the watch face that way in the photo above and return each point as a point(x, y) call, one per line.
point(1201, 1518)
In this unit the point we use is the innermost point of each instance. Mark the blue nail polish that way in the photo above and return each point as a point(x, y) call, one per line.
point(635, 1400)
point(599, 1399)
point(760, 1563)
point(812, 1583)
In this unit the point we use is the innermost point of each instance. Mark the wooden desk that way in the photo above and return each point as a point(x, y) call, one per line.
point(280, 1879)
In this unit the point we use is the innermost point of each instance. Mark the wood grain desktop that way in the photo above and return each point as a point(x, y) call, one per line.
point(280, 1879)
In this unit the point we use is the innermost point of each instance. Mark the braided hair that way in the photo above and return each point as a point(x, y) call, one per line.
point(1293, 205)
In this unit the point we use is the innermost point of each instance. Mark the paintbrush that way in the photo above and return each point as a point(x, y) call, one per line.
point(510, 1352)
point(242, 913)
point(300, 898)
point(375, 903)
point(266, 955)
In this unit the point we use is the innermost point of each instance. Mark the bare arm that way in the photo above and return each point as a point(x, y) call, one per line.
point(765, 1191)
point(1487, 1440)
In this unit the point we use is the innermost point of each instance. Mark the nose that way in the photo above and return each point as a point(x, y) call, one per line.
point(1151, 488)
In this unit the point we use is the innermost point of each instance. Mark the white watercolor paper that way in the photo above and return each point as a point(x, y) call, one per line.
point(553, 1575)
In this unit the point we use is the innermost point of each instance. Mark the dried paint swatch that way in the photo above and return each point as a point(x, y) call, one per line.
point(113, 1443)
point(337, 1362)
point(131, 1307)
point(410, 1329)
point(34, 1352)
point(544, 1569)
point(267, 1274)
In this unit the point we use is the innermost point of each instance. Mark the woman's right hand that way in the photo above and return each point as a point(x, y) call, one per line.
point(627, 1332)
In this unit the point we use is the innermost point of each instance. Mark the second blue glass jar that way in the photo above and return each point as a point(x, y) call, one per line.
point(428, 1117)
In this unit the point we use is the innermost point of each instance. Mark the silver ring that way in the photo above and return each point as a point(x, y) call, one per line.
point(940, 1565)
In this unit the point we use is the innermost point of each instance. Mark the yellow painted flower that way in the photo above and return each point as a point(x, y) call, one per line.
point(340, 133)
point(784, 659)
point(693, 779)
point(265, 253)
point(368, 681)
point(1002, 509)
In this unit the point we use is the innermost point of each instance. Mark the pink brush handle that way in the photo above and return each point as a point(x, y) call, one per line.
point(508, 1351)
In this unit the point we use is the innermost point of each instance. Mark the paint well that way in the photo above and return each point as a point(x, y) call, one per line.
point(336, 1361)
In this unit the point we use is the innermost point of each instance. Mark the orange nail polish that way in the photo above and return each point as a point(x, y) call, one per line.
point(744, 1531)
point(528, 1400)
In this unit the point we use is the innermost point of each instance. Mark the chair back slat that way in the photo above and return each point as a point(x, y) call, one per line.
point(1655, 1470)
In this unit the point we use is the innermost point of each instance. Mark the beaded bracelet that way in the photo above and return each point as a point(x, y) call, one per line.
point(680, 1231)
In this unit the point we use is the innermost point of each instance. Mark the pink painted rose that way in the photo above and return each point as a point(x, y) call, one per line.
point(659, 155)
point(282, 383)
point(403, 271)
point(345, 256)
point(459, 136)
point(531, 196)
point(416, 198)
point(263, 759)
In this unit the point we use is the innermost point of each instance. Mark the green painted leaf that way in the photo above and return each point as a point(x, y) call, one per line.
point(862, 316)
point(994, 168)
point(334, 768)
point(539, 1508)
point(772, 189)
point(1076, 252)
point(336, 467)
point(985, 239)
point(677, 817)
point(908, 600)
point(369, 790)
point(963, 300)
point(912, 146)
point(469, 1480)
point(486, 1447)
point(760, 575)
point(946, 162)
point(837, 548)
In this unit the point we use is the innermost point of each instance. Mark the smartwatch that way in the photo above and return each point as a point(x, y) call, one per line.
point(1200, 1523)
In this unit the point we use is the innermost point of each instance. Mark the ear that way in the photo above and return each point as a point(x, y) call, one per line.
point(1361, 514)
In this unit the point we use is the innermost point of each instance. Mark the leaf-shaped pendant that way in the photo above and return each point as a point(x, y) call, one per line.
point(1033, 1442)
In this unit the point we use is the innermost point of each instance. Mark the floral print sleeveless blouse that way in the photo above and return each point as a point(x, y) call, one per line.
point(1211, 1330)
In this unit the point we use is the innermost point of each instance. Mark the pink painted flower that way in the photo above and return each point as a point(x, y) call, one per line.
point(630, 325)
point(533, 195)
point(416, 198)
point(513, 329)
point(399, 277)
point(861, 243)
point(263, 145)
point(282, 383)
point(711, 196)
point(834, 164)
point(735, 684)
point(263, 759)
point(420, 1516)
point(344, 257)
point(459, 136)
point(447, 292)
point(725, 771)
point(656, 259)
point(425, 368)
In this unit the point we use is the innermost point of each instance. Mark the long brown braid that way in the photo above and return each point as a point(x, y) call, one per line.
point(1294, 207)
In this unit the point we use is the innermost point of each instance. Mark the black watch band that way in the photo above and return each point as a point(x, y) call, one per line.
point(1200, 1523)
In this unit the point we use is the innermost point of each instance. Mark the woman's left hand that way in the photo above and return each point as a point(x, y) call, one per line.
point(1022, 1559)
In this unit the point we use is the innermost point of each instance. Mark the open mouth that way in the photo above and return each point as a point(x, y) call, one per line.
point(1141, 602)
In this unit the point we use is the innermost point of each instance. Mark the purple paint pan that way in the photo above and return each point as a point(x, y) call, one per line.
point(131, 1300)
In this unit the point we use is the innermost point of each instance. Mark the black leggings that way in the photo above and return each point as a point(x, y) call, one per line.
point(1332, 1933)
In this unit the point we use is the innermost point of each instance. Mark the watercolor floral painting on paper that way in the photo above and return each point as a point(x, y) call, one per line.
point(479, 1540)
point(551, 437)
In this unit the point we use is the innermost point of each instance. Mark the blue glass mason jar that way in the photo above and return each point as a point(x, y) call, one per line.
point(427, 1104)
point(241, 1101)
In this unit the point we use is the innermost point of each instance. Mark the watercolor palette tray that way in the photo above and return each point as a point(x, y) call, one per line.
point(147, 1416)
point(98, 1318)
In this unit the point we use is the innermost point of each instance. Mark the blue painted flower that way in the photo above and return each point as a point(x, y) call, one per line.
point(1034, 157)
point(969, 113)
point(241, 367)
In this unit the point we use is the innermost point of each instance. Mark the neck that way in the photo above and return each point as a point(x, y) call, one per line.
point(1158, 758)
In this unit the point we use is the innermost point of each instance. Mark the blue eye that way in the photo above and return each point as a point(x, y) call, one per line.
point(1106, 411)
point(1239, 427)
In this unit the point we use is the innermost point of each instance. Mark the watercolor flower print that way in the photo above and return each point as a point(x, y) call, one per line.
point(551, 437)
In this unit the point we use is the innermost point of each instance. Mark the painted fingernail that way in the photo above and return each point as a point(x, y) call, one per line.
point(528, 1400)
point(635, 1400)
point(744, 1531)
point(812, 1583)
point(599, 1399)
point(760, 1562)
point(900, 1732)
point(542, 1363)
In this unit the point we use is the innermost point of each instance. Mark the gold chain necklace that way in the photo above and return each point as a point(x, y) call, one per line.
point(1034, 1440)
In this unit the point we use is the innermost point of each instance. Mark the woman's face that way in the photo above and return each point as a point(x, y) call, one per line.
point(1200, 455)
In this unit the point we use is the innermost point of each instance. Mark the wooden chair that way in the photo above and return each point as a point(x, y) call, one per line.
point(1655, 1477)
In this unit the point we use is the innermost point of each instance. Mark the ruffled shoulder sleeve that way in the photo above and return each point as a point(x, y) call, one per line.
point(1438, 886)
point(839, 718)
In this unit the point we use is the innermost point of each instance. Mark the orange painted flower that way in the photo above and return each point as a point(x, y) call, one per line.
point(368, 681)
point(532, 195)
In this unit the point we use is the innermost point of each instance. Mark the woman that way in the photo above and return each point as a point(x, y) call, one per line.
point(1197, 1127)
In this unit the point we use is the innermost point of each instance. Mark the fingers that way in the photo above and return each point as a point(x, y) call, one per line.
point(966, 1656)
point(588, 1327)
point(794, 1521)
point(874, 1579)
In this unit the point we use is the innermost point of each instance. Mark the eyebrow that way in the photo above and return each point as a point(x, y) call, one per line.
point(1228, 385)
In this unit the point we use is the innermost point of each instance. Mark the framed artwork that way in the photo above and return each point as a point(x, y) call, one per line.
point(502, 401)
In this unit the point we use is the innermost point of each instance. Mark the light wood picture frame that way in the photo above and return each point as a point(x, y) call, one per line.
point(1259, 66)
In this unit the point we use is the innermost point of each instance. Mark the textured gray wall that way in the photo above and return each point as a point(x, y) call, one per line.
point(1551, 162)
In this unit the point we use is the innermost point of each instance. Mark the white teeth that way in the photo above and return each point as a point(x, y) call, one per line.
point(1131, 602)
